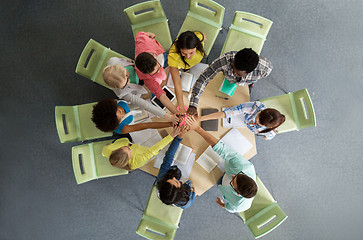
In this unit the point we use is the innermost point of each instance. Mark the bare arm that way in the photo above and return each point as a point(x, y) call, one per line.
point(216, 115)
point(142, 126)
point(167, 103)
point(177, 88)
point(194, 125)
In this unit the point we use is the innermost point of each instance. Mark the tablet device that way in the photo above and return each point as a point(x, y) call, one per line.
point(209, 125)
point(168, 93)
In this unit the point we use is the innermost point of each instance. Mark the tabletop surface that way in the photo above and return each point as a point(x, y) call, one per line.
point(201, 179)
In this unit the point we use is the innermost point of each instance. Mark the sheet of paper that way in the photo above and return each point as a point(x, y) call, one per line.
point(236, 141)
point(235, 121)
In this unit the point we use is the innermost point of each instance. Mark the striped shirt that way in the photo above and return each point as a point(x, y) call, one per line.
point(249, 111)
point(224, 64)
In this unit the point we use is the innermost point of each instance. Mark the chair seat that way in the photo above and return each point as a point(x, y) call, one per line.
point(165, 213)
point(238, 40)
point(88, 128)
point(282, 104)
point(103, 165)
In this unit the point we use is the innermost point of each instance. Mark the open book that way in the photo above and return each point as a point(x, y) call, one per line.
point(188, 78)
point(185, 167)
point(183, 153)
point(210, 159)
point(147, 137)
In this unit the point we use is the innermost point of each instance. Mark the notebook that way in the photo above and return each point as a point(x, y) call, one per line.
point(210, 159)
point(227, 87)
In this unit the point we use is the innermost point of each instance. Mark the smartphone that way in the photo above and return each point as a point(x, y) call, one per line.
point(168, 93)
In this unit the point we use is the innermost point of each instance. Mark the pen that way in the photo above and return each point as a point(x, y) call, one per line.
point(222, 97)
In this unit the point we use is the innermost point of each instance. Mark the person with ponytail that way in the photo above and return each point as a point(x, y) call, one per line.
point(261, 120)
point(171, 190)
point(186, 51)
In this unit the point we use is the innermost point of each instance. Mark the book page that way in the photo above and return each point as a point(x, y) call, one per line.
point(237, 142)
point(183, 154)
point(207, 162)
point(147, 137)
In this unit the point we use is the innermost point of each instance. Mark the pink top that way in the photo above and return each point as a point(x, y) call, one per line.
point(144, 43)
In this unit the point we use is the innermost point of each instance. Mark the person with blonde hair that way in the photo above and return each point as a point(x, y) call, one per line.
point(123, 154)
point(117, 77)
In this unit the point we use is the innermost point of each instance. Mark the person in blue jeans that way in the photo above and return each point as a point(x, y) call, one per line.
point(171, 190)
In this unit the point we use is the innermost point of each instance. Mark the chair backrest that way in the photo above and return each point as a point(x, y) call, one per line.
point(149, 16)
point(205, 16)
point(297, 108)
point(264, 214)
point(74, 123)
point(93, 60)
point(304, 109)
point(159, 221)
point(89, 164)
point(247, 30)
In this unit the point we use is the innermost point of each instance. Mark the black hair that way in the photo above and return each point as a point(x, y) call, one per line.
point(145, 62)
point(246, 186)
point(246, 60)
point(188, 40)
point(168, 193)
point(104, 115)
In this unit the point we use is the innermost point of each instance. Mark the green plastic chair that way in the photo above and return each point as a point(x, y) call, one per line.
point(159, 221)
point(265, 214)
point(94, 59)
point(205, 16)
point(89, 164)
point(247, 30)
point(150, 17)
point(74, 123)
point(297, 108)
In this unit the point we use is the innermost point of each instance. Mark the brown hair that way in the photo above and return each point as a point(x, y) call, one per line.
point(120, 159)
point(271, 118)
point(246, 186)
point(115, 76)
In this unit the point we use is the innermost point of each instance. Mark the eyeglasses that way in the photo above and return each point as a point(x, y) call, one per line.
point(235, 176)
point(156, 70)
point(127, 82)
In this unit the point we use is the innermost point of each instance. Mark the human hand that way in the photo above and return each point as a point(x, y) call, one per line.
point(192, 122)
point(182, 109)
point(192, 111)
point(183, 130)
point(175, 132)
point(220, 202)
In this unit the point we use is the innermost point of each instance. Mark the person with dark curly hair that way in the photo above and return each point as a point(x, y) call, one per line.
point(261, 120)
point(110, 115)
point(242, 68)
point(238, 185)
point(150, 61)
point(171, 190)
point(186, 52)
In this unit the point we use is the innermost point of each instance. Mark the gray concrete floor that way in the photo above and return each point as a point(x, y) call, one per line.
point(314, 174)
